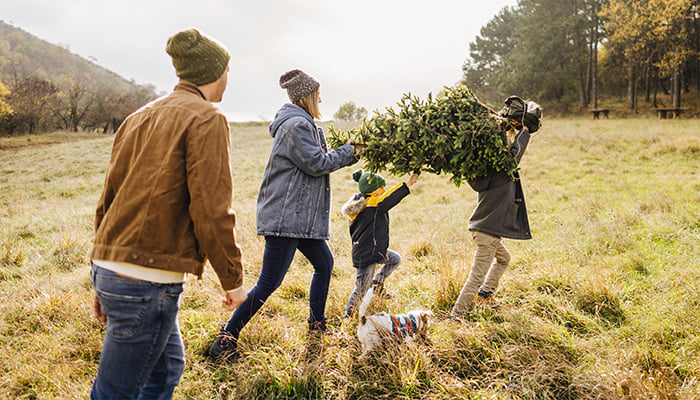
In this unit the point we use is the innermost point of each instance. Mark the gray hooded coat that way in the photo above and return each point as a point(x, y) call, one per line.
point(500, 209)
point(295, 194)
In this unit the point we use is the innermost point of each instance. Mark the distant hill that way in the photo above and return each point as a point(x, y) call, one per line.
point(23, 54)
point(51, 88)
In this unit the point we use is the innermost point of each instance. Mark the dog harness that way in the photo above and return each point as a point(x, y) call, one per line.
point(403, 325)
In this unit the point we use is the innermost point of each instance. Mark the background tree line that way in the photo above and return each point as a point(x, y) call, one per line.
point(571, 54)
point(45, 87)
point(32, 104)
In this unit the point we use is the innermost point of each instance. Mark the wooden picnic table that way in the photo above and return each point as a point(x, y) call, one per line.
point(674, 112)
point(598, 111)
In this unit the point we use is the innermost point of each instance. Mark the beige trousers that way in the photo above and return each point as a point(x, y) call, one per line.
point(484, 275)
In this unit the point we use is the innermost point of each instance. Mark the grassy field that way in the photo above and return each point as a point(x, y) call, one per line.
point(603, 303)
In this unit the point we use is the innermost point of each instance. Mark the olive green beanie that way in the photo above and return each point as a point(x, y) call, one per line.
point(367, 181)
point(196, 57)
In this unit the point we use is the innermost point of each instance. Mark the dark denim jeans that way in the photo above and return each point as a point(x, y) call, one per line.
point(365, 276)
point(278, 255)
point(143, 356)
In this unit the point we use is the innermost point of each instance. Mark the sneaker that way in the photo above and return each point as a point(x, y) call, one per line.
point(459, 317)
point(462, 311)
point(484, 295)
point(224, 348)
point(380, 291)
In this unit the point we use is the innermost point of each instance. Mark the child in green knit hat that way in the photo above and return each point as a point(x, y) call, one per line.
point(368, 212)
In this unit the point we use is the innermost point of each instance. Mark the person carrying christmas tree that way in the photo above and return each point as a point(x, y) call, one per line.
point(500, 212)
point(368, 212)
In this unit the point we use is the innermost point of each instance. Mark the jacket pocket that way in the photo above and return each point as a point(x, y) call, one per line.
point(511, 218)
point(300, 199)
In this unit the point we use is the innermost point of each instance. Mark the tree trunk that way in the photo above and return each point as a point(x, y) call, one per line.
point(581, 89)
point(594, 72)
point(676, 87)
point(589, 70)
point(116, 123)
point(697, 48)
point(594, 56)
point(647, 80)
point(631, 83)
point(686, 76)
point(664, 89)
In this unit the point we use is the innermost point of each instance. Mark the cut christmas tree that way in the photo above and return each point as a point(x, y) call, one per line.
point(453, 134)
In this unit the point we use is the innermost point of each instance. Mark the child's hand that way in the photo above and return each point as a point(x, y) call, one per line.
point(412, 180)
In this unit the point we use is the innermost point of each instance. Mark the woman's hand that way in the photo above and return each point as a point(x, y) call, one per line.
point(357, 147)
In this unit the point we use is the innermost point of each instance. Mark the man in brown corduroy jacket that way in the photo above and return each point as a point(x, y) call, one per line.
point(164, 210)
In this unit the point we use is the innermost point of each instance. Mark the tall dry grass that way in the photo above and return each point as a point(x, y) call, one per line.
point(601, 304)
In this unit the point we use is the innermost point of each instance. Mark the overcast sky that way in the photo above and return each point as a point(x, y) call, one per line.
point(366, 51)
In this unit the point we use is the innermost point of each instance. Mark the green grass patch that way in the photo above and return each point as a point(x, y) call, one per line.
point(601, 304)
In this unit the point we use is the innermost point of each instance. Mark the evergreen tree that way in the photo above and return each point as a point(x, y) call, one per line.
point(454, 134)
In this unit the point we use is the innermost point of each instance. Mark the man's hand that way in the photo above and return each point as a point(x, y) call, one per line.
point(97, 310)
point(234, 298)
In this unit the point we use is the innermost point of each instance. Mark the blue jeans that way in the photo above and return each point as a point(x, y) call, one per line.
point(278, 255)
point(365, 276)
point(143, 356)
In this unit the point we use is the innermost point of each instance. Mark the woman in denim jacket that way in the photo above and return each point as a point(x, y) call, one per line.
point(293, 209)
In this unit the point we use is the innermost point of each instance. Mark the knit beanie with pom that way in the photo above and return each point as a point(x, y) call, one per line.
point(367, 181)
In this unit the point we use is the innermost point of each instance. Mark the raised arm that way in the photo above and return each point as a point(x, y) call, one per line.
point(520, 144)
point(306, 152)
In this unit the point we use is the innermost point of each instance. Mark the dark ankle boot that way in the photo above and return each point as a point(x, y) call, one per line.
point(317, 327)
point(225, 347)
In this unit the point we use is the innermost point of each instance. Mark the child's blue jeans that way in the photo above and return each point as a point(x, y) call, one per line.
point(143, 356)
point(365, 276)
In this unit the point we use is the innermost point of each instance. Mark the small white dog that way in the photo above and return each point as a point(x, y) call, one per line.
point(374, 328)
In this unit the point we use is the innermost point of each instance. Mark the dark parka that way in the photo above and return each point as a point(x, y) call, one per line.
point(500, 209)
point(369, 224)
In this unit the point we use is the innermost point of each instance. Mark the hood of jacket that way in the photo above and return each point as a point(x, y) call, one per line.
point(287, 112)
point(354, 205)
